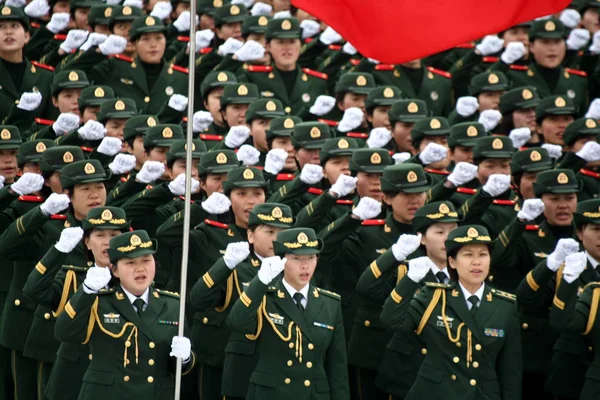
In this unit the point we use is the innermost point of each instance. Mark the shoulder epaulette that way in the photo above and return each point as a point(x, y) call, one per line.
point(183, 38)
point(532, 227)
point(491, 60)
point(315, 191)
point(437, 171)
point(107, 291)
point(167, 293)
point(328, 122)
point(215, 223)
point(315, 73)
point(465, 46)
point(43, 121)
point(354, 61)
point(31, 199)
point(74, 268)
point(357, 135)
point(466, 190)
point(86, 149)
point(438, 285)
point(124, 178)
point(35, 25)
point(285, 177)
point(260, 68)
point(58, 216)
point(335, 47)
point(373, 222)
point(180, 69)
point(211, 137)
point(206, 50)
point(344, 202)
point(123, 58)
point(505, 295)
point(519, 67)
point(329, 294)
point(592, 284)
point(308, 40)
point(44, 66)
point(384, 67)
point(148, 187)
point(271, 289)
point(60, 36)
point(439, 72)
point(587, 172)
point(576, 72)
point(505, 202)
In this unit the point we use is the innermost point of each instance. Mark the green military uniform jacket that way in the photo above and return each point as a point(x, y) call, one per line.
point(296, 194)
point(325, 209)
point(494, 213)
point(130, 354)
point(300, 355)
point(486, 364)
point(591, 184)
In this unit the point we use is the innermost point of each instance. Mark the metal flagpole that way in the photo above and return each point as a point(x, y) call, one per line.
point(188, 187)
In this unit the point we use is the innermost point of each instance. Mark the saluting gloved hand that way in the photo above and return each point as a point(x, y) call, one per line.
point(433, 153)
point(96, 278)
point(270, 268)
point(250, 51)
point(330, 36)
point(54, 204)
point(29, 101)
point(235, 253)
point(466, 105)
point(216, 203)
point(69, 239)
point(38, 8)
point(182, 23)
point(178, 102)
point(490, 119)
point(399, 158)
point(554, 150)
point(490, 44)
point(519, 136)
point(574, 266)
point(113, 2)
point(349, 49)
point(230, 46)
point(114, 44)
point(343, 186)
point(246, 3)
point(323, 105)
point(263, 9)
point(514, 51)
point(151, 171)
point(570, 18)
point(181, 347)
point(16, 3)
point(2, 179)
point(532, 208)
point(311, 174)
point(203, 39)
point(65, 123)
point(595, 47)
point(110, 146)
point(177, 185)
point(237, 136)
point(351, 119)
point(594, 109)
point(496, 184)
point(75, 38)
point(379, 137)
point(563, 248)
point(134, 3)
point(201, 121)
point(463, 172)
point(418, 268)
point(590, 152)
point(405, 246)
point(282, 14)
point(275, 161)
point(58, 22)
point(162, 10)
point(578, 38)
point(122, 164)
point(248, 155)
point(92, 130)
point(309, 28)
point(367, 208)
point(28, 183)
point(93, 39)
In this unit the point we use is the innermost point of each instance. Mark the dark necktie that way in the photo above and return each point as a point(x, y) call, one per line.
point(474, 300)
point(139, 304)
point(441, 277)
point(298, 299)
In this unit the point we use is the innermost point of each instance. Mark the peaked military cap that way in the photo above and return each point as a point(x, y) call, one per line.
point(55, 158)
point(264, 108)
point(273, 214)
point(138, 125)
point(124, 14)
point(355, 82)
point(580, 128)
point(116, 108)
point(14, 13)
point(163, 135)
point(179, 148)
point(405, 177)
point(145, 24)
point(100, 14)
point(218, 162)
point(550, 28)
point(84, 171)
point(31, 151)
point(83, 3)
point(489, 81)
point(370, 160)
point(588, 212)
point(256, 24)
point(105, 218)
point(216, 79)
point(556, 181)
point(430, 126)
point(519, 99)
point(69, 79)
point(131, 245)
point(284, 28)
point(209, 7)
point(300, 241)
point(337, 147)
point(555, 105)
point(408, 111)
point(310, 135)
point(244, 177)
point(382, 96)
point(95, 96)
point(239, 93)
point(10, 138)
point(433, 213)
point(531, 160)
point(230, 13)
point(465, 235)
point(493, 147)
point(466, 134)
point(282, 127)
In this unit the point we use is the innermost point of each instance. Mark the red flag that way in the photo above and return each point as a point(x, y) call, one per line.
point(396, 31)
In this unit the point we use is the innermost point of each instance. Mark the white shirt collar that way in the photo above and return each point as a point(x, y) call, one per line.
point(259, 257)
point(467, 294)
point(133, 297)
point(293, 291)
point(435, 269)
point(592, 260)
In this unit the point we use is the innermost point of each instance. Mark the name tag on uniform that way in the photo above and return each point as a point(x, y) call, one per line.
point(161, 322)
point(320, 325)
point(493, 332)
point(276, 318)
point(126, 81)
point(112, 318)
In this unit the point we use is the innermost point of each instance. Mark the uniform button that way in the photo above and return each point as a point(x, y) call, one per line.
point(147, 99)
point(47, 315)
point(475, 364)
point(590, 348)
point(291, 345)
point(151, 345)
point(525, 325)
point(17, 302)
point(127, 361)
point(290, 363)
point(478, 347)
point(287, 381)
point(456, 360)
point(150, 362)
point(491, 278)
point(453, 377)
point(307, 383)
point(126, 378)
point(90, 357)
point(128, 344)
point(205, 320)
point(458, 344)
point(309, 365)
point(367, 323)
point(150, 379)
point(311, 346)
point(423, 351)
point(288, 110)
point(473, 382)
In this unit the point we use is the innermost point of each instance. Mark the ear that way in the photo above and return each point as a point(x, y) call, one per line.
point(86, 241)
point(250, 236)
point(580, 233)
point(452, 262)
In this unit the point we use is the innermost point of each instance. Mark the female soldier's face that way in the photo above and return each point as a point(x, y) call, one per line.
point(299, 269)
point(261, 238)
point(472, 263)
point(136, 274)
point(97, 243)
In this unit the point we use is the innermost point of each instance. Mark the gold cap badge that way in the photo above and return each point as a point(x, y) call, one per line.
point(288, 123)
point(472, 233)
point(119, 105)
point(302, 238)
point(535, 156)
point(106, 215)
point(413, 108)
point(40, 147)
point(99, 92)
point(493, 79)
point(315, 133)
point(248, 174)
point(135, 240)
point(277, 213)
point(73, 76)
point(68, 157)
point(5, 134)
point(562, 178)
point(221, 158)
point(388, 93)
point(242, 90)
point(471, 131)
point(435, 124)
point(271, 106)
point(560, 102)
point(375, 158)
point(167, 133)
point(361, 81)
point(222, 77)
point(526, 94)
point(412, 177)
point(89, 169)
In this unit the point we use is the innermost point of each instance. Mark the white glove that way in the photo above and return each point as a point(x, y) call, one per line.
point(216, 203)
point(367, 208)
point(178, 102)
point(182, 23)
point(520, 136)
point(134, 3)
point(246, 3)
point(275, 160)
point(490, 119)
point(399, 158)
point(38, 8)
point(122, 164)
point(96, 279)
point(405, 246)
point(28, 183)
point(75, 38)
point(110, 146)
point(532, 208)
point(29, 101)
point(113, 2)
point(497, 184)
point(235, 253)
point(69, 239)
point(554, 150)
point(58, 22)
point(594, 109)
point(16, 3)
point(466, 105)
point(311, 174)
point(114, 44)
point(181, 347)
point(230, 46)
point(248, 155)
point(463, 172)
point(151, 171)
point(201, 120)
point(349, 49)
point(250, 51)
point(94, 39)
point(418, 268)
point(564, 248)
point(574, 266)
point(330, 36)
point(177, 185)
point(262, 9)
point(65, 123)
point(595, 47)
point(379, 137)
point(237, 136)
point(282, 14)
point(323, 105)
point(570, 18)
point(344, 185)
point(578, 38)
point(203, 39)
point(433, 153)
point(162, 10)
point(489, 45)
point(309, 28)
point(92, 130)
point(590, 152)
point(54, 204)
point(270, 268)
point(351, 119)
point(514, 51)
point(2, 179)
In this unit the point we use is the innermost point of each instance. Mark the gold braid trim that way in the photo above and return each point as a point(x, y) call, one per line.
point(134, 332)
point(237, 283)
point(70, 281)
point(559, 275)
point(402, 270)
point(298, 344)
point(531, 282)
point(429, 310)
point(593, 311)
point(228, 293)
point(259, 318)
point(457, 338)
point(91, 321)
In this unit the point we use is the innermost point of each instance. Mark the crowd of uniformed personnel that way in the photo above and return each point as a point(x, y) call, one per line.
point(359, 230)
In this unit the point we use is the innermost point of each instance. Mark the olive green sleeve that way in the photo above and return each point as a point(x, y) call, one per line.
point(403, 309)
point(72, 325)
point(313, 214)
point(290, 192)
point(141, 209)
point(40, 285)
point(509, 364)
point(336, 366)
point(379, 278)
point(534, 290)
point(123, 192)
point(243, 316)
point(568, 313)
point(206, 292)
point(18, 242)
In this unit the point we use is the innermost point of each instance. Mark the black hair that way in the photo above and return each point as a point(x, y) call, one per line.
point(507, 124)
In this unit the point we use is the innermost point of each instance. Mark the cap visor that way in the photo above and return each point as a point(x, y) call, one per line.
point(221, 169)
point(359, 90)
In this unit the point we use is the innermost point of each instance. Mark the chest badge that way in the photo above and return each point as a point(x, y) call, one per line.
point(112, 318)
